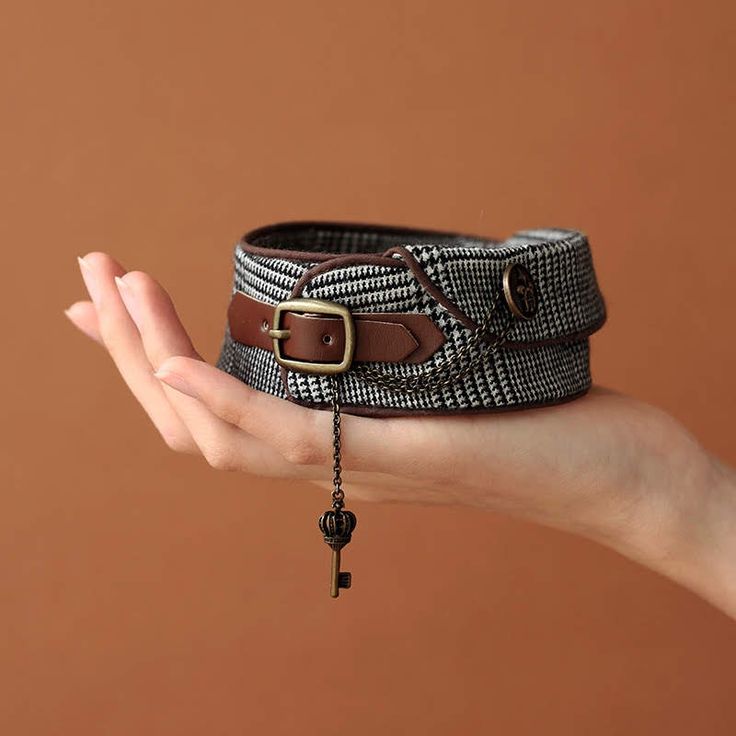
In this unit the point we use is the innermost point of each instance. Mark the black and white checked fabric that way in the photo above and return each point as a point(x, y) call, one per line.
point(554, 365)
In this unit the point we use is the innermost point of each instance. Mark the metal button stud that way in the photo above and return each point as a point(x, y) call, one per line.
point(520, 291)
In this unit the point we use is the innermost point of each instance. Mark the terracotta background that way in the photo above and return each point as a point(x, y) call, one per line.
point(142, 592)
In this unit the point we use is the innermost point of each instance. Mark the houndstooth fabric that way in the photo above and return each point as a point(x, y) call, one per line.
point(468, 271)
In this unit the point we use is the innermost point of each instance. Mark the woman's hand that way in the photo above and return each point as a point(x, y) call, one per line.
point(604, 466)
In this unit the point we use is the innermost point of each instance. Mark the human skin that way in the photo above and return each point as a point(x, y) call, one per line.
point(606, 467)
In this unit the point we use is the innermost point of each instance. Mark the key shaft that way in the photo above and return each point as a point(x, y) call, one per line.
point(335, 574)
point(338, 579)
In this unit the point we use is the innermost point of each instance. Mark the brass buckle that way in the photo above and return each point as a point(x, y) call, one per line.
point(312, 306)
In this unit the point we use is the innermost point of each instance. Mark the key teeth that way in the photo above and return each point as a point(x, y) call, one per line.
point(344, 580)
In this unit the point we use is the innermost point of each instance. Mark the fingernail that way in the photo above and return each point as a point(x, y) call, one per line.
point(128, 297)
point(70, 316)
point(69, 312)
point(176, 381)
point(90, 281)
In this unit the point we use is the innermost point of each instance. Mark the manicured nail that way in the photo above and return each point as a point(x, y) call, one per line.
point(90, 281)
point(72, 318)
point(176, 381)
point(69, 312)
point(128, 297)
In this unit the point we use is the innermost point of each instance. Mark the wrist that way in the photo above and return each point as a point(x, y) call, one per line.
point(687, 528)
point(705, 558)
point(671, 506)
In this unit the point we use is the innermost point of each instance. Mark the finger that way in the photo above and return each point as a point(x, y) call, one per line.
point(84, 317)
point(121, 338)
point(223, 445)
point(303, 436)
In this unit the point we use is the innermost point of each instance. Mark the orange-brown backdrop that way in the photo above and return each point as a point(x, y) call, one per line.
point(145, 593)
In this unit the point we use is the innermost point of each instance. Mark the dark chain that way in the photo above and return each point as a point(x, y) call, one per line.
point(452, 372)
point(338, 495)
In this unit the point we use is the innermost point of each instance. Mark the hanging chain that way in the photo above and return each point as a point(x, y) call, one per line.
point(338, 495)
point(444, 372)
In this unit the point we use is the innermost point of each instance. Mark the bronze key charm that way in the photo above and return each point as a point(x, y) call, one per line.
point(337, 526)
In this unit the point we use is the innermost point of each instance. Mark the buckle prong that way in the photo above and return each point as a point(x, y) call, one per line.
point(279, 334)
point(312, 306)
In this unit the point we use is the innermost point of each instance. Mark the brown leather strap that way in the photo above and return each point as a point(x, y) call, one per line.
point(392, 337)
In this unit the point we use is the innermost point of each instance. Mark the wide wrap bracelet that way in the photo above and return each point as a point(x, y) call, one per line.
point(394, 321)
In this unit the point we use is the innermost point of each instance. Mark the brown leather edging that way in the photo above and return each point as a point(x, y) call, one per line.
point(246, 241)
point(349, 259)
point(429, 286)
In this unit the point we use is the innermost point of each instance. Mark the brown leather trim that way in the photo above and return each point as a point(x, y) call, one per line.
point(413, 265)
point(350, 259)
point(248, 244)
point(393, 337)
